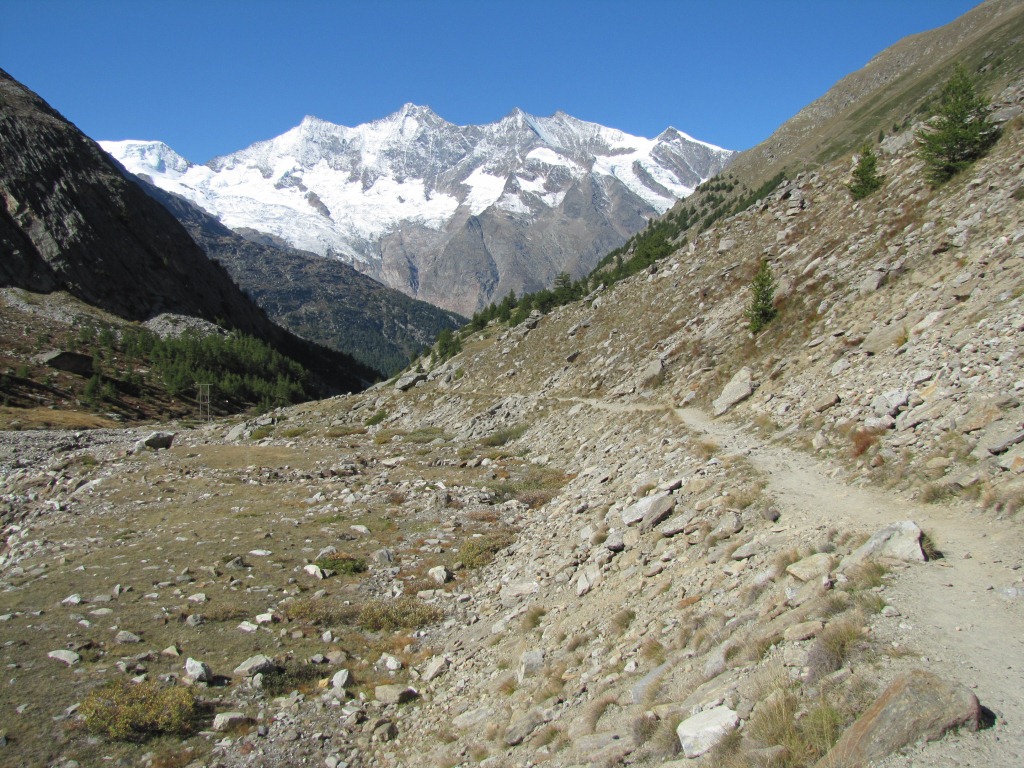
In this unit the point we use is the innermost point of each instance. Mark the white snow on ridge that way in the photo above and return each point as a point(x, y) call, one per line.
point(336, 190)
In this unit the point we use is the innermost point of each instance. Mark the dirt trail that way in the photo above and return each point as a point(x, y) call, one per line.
point(955, 611)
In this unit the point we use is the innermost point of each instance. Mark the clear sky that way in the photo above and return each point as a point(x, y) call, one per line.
point(210, 77)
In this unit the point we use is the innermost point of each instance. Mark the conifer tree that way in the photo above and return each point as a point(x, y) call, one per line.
point(865, 176)
point(961, 132)
point(761, 309)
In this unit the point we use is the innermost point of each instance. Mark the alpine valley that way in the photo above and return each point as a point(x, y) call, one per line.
point(457, 216)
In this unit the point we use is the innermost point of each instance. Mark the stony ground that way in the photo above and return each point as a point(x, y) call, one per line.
point(549, 549)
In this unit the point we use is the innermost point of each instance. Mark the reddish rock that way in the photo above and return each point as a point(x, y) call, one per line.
point(918, 706)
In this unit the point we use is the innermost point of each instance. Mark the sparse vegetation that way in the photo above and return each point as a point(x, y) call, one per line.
point(376, 418)
point(480, 550)
point(400, 613)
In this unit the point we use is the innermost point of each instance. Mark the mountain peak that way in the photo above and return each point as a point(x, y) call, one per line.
point(357, 193)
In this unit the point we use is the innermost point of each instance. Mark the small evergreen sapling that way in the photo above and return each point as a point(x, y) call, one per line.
point(761, 309)
point(960, 133)
point(865, 176)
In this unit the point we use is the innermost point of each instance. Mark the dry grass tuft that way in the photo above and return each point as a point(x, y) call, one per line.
point(531, 619)
point(620, 621)
point(596, 711)
point(833, 648)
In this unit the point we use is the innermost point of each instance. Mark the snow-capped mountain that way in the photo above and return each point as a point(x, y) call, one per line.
point(455, 215)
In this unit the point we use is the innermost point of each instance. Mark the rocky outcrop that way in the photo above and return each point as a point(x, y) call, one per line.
point(72, 220)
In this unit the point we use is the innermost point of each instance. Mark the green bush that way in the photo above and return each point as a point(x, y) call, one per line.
point(131, 712)
point(376, 418)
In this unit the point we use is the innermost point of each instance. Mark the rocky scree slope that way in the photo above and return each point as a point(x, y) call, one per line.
point(72, 221)
point(454, 215)
point(660, 577)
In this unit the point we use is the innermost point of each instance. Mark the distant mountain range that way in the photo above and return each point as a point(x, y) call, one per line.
point(455, 215)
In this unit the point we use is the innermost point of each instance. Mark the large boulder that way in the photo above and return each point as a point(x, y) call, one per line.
point(649, 511)
point(410, 380)
point(899, 541)
point(739, 388)
point(700, 733)
point(72, 362)
point(918, 706)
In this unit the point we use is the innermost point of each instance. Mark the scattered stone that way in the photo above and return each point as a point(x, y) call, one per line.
point(811, 568)
point(68, 657)
point(255, 665)
point(198, 670)
point(124, 636)
point(899, 541)
point(158, 440)
point(440, 574)
point(700, 733)
point(410, 380)
point(523, 726)
point(394, 694)
point(649, 511)
point(530, 663)
point(803, 631)
point(434, 668)
point(341, 679)
point(225, 721)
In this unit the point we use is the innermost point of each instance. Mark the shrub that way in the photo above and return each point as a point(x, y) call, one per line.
point(402, 613)
point(621, 620)
point(503, 435)
point(318, 611)
point(961, 132)
point(131, 712)
point(291, 677)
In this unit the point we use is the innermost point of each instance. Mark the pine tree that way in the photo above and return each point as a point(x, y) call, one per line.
point(761, 309)
point(865, 176)
point(961, 132)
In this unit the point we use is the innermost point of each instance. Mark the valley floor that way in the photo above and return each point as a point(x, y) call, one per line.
point(625, 622)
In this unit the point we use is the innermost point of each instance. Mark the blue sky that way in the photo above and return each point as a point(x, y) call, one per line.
point(212, 76)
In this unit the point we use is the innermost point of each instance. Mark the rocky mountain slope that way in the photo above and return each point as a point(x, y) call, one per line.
point(72, 221)
point(892, 91)
point(624, 533)
point(454, 215)
point(324, 300)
